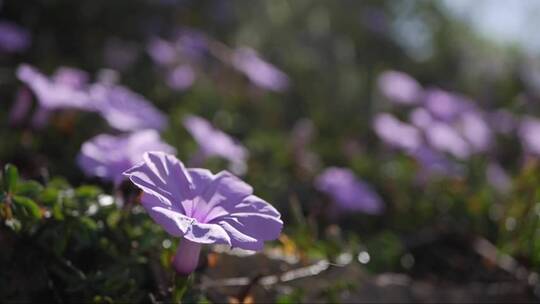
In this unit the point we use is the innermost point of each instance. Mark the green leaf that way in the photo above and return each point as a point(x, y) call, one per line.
point(89, 223)
point(29, 205)
point(29, 188)
point(10, 178)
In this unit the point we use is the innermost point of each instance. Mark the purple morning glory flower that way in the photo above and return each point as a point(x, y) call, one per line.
point(126, 110)
point(161, 51)
point(214, 142)
point(55, 92)
point(181, 77)
point(475, 130)
point(13, 38)
point(396, 133)
point(434, 162)
point(421, 118)
point(443, 137)
point(529, 133)
point(349, 193)
point(202, 208)
point(108, 156)
point(260, 72)
point(444, 105)
point(399, 87)
point(189, 45)
point(71, 77)
point(192, 44)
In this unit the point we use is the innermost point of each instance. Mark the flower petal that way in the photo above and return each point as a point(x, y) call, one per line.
point(252, 222)
point(174, 222)
point(163, 176)
point(240, 239)
point(207, 234)
point(226, 190)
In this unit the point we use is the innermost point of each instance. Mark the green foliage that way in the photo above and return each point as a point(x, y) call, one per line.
point(74, 244)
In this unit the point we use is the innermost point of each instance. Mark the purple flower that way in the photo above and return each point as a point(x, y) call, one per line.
point(54, 93)
point(108, 156)
point(13, 38)
point(71, 77)
point(475, 129)
point(181, 77)
point(444, 105)
point(349, 193)
point(529, 133)
point(421, 118)
point(399, 87)
point(202, 208)
point(161, 51)
point(192, 44)
point(443, 137)
point(260, 72)
point(396, 133)
point(214, 142)
point(126, 110)
point(434, 162)
point(188, 46)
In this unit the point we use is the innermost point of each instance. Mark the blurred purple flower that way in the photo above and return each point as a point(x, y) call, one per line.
point(202, 208)
point(181, 77)
point(192, 44)
point(13, 38)
point(475, 129)
point(399, 87)
point(260, 72)
point(214, 142)
point(420, 118)
point(529, 133)
point(161, 51)
point(126, 110)
point(189, 46)
point(55, 93)
point(349, 193)
point(108, 156)
point(498, 178)
point(443, 137)
point(444, 105)
point(396, 133)
point(71, 77)
point(433, 162)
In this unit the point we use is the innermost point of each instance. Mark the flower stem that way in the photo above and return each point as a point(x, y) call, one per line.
point(181, 284)
point(187, 257)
